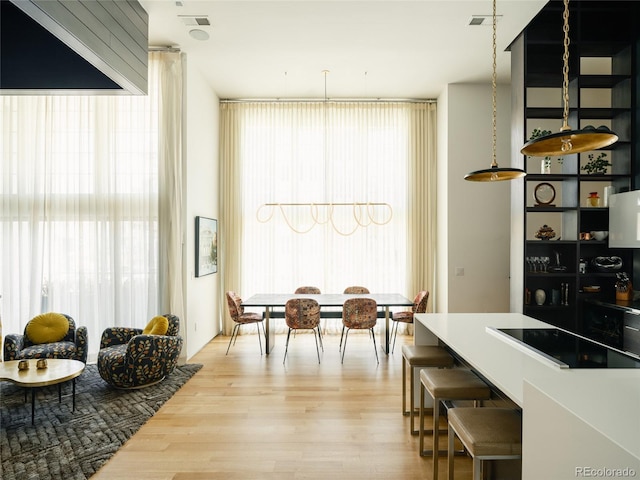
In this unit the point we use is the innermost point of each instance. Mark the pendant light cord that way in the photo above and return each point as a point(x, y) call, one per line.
point(565, 68)
point(494, 162)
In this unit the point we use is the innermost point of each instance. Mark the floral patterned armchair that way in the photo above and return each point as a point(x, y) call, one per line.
point(73, 346)
point(130, 359)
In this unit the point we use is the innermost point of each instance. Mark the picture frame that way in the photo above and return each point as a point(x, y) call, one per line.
point(206, 253)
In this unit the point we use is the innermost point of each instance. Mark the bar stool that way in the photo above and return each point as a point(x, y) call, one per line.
point(420, 356)
point(447, 385)
point(487, 433)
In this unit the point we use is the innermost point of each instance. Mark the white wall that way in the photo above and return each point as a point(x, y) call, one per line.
point(201, 198)
point(474, 217)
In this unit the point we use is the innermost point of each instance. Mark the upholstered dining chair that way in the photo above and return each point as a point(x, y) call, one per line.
point(419, 306)
point(135, 357)
point(302, 313)
point(356, 290)
point(48, 335)
point(238, 315)
point(352, 290)
point(361, 314)
point(308, 290)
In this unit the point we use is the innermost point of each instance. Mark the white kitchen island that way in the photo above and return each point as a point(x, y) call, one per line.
point(577, 423)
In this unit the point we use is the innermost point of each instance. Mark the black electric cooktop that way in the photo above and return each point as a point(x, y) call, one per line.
point(569, 350)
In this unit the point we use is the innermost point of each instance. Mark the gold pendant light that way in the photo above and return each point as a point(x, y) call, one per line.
point(494, 173)
point(569, 141)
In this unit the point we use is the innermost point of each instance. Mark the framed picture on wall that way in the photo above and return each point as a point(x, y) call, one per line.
point(206, 246)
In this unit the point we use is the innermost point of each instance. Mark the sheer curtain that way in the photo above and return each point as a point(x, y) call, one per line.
point(326, 152)
point(79, 224)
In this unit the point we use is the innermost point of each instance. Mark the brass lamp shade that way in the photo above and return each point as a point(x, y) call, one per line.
point(570, 141)
point(494, 174)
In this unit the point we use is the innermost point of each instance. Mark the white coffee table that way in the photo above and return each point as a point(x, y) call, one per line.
point(57, 372)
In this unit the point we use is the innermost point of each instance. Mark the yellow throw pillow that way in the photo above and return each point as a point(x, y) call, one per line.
point(157, 326)
point(47, 328)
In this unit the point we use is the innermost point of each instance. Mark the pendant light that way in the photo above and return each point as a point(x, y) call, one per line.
point(569, 141)
point(494, 173)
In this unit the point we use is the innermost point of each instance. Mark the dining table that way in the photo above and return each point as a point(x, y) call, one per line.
point(272, 301)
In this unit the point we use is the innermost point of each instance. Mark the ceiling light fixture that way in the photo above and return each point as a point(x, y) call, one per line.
point(363, 214)
point(569, 141)
point(494, 173)
point(199, 34)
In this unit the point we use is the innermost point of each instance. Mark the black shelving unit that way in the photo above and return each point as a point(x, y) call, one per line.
point(603, 86)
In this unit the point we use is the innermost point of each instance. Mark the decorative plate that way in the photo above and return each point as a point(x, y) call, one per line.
point(544, 194)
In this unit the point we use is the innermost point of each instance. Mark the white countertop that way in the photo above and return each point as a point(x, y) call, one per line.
point(606, 399)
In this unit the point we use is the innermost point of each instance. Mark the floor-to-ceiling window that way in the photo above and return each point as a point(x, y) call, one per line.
point(79, 225)
point(352, 155)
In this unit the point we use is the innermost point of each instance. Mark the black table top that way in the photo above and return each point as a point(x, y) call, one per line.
point(325, 299)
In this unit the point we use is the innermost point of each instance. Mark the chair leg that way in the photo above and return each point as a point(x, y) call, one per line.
point(436, 438)
point(375, 349)
point(394, 334)
point(286, 348)
point(341, 337)
point(412, 405)
point(233, 332)
point(421, 423)
point(320, 337)
point(450, 453)
point(259, 341)
point(477, 469)
point(405, 412)
point(345, 343)
point(316, 339)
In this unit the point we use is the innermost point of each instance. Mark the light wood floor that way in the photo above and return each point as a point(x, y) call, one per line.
point(247, 416)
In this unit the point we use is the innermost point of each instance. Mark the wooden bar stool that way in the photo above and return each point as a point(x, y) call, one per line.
point(420, 356)
point(487, 434)
point(447, 385)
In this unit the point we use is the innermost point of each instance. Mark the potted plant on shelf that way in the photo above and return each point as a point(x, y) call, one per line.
point(545, 165)
point(596, 165)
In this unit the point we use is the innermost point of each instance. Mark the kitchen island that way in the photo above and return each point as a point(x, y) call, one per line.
point(577, 422)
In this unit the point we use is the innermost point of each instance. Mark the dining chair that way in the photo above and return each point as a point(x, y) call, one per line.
point(308, 290)
point(352, 290)
point(361, 314)
point(419, 306)
point(302, 313)
point(238, 315)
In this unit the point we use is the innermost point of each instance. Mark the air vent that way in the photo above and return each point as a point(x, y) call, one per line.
point(193, 20)
point(484, 20)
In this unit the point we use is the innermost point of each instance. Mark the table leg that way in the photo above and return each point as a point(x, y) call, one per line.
point(269, 332)
point(74, 395)
point(59, 393)
point(386, 330)
point(33, 404)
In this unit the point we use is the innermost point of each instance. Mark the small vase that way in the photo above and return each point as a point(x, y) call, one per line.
point(540, 296)
point(545, 166)
point(594, 199)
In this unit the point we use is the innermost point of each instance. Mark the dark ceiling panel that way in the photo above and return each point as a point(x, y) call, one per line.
point(33, 58)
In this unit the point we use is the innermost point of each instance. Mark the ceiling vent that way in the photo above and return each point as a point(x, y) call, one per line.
point(484, 20)
point(194, 20)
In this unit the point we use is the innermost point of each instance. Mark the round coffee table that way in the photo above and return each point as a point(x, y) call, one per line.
point(58, 371)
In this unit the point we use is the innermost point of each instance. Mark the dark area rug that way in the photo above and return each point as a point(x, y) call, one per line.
point(63, 444)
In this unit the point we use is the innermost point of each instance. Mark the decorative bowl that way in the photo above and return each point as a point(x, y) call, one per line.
point(600, 235)
point(591, 288)
point(607, 264)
